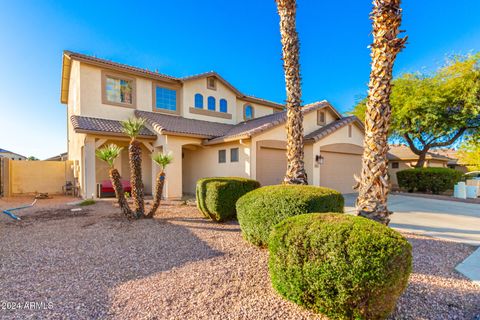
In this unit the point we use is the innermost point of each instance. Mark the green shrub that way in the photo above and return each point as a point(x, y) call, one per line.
point(87, 202)
point(216, 197)
point(435, 180)
point(343, 266)
point(258, 211)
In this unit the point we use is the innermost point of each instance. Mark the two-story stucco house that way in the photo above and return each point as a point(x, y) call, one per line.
point(210, 127)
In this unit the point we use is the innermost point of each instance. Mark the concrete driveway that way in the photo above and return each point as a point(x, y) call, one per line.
point(450, 220)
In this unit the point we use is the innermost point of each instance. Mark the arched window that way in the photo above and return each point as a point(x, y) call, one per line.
point(211, 103)
point(198, 101)
point(223, 105)
point(248, 112)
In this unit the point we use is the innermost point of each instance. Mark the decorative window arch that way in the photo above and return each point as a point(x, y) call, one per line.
point(223, 105)
point(248, 112)
point(198, 101)
point(211, 103)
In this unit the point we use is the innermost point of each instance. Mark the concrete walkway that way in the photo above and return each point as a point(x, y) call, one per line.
point(437, 218)
point(442, 219)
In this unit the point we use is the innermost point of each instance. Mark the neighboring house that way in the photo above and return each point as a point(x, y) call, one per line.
point(11, 155)
point(209, 126)
point(60, 157)
point(401, 157)
point(453, 162)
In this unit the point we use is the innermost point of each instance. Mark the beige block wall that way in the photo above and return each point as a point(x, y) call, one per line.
point(28, 177)
point(203, 162)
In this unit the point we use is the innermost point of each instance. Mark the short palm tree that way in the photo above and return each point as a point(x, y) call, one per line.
point(132, 127)
point(373, 183)
point(108, 154)
point(163, 160)
point(290, 47)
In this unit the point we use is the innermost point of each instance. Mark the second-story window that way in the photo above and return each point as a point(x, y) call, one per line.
point(198, 101)
point(118, 90)
point(211, 103)
point(223, 105)
point(248, 112)
point(165, 99)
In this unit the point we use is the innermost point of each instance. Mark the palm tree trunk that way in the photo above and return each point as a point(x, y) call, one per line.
point(158, 194)
point(373, 184)
point(290, 48)
point(135, 155)
point(117, 185)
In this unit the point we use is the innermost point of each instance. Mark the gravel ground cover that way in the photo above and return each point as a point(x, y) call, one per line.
point(94, 264)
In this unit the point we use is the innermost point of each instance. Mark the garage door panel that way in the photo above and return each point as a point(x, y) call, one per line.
point(338, 169)
point(271, 165)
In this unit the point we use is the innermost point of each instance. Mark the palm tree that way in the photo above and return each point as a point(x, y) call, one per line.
point(373, 183)
point(132, 128)
point(290, 48)
point(108, 154)
point(163, 160)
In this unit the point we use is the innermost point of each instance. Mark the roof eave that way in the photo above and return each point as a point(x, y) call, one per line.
point(114, 134)
point(65, 81)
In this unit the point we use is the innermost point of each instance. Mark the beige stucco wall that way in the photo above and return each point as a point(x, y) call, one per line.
point(192, 87)
point(258, 110)
point(91, 96)
point(39, 176)
point(203, 162)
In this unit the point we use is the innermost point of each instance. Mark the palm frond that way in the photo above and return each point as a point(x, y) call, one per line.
point(133, 126)
point(162, 159)
point(108, 153)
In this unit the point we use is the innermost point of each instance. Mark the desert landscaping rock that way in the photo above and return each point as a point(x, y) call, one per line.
point(180, 266)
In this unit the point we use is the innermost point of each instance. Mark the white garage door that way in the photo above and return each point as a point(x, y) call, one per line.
point(338, 169)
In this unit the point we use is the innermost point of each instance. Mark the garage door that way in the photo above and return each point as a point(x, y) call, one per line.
point(271, 165)
point(338, 169)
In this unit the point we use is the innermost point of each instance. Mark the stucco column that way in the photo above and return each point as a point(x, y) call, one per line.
point(174, 188)
point(89, 169)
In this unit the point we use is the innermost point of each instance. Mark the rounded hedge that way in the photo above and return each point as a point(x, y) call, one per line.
point(216, 197)
point(343, 266)
point(435, 180)
point(258, 211)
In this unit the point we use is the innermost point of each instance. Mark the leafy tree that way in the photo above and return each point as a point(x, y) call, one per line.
point(435, 110)
point(469, 154)
point(32, 158)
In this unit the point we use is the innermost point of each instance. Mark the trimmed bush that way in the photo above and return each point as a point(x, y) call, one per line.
point(258, 211)
point(216, 197)
point(343, 266)
point(435, 180)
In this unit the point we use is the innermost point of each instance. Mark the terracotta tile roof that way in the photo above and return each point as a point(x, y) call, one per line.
point(180, 125)
point(126, 67)
point(329, 128)
point(103, 126)
point(255, 126)
point(403, 152)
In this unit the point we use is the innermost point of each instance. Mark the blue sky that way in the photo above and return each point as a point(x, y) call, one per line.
point(238, 39)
